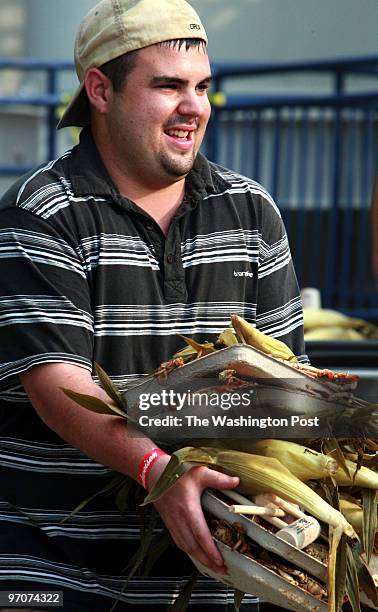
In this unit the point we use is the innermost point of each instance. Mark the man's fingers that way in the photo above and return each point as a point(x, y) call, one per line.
point(217, 480)
point(190, 541)
point(203, 536)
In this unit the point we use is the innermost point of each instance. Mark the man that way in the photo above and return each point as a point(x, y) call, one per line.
point(108, 253)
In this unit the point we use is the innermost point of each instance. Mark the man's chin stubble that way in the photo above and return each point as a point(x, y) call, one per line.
point(177, 168)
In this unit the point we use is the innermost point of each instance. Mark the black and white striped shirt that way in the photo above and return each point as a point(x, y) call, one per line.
point(86, 276)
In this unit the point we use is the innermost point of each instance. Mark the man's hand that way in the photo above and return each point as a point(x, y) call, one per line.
point(180, 508)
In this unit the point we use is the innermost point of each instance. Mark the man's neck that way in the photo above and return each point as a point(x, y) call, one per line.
point(160, 201)
point(161, 204)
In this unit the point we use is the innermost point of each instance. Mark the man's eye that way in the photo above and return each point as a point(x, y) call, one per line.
point(203, 87)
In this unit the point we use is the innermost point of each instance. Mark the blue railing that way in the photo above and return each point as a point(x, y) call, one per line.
point(50, 101)
point(317, 155)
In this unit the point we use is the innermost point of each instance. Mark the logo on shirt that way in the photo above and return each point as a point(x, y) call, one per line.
point(242, 273)
point(194, 26)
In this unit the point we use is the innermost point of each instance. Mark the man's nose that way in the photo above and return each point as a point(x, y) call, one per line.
point(193, 104)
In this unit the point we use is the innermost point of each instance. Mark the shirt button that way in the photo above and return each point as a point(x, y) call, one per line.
point(150, 226)
point(170, 258)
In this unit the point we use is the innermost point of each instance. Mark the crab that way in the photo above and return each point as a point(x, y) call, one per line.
point(166, 367)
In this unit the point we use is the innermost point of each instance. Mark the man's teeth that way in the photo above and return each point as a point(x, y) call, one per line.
point(178, 133)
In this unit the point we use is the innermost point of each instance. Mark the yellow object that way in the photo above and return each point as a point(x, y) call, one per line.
point(315, 319)
point(218, 98)
point(324, 317)
point(308, 464)
point(227, 338)
point(252, 336)
point(261, 474)
point(353, 512)
point(333, 333)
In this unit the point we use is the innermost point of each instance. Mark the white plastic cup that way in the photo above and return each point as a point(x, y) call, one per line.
point(311, 298)
point(301, 532)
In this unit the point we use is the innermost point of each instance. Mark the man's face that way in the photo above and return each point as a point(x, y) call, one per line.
point(158, 121)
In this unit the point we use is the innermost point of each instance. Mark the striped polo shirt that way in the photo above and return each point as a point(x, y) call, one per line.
point(88, 276)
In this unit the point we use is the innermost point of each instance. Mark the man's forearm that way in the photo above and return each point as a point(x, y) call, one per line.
point(102, 437)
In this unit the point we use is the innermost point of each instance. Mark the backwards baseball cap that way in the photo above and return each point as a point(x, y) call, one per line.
point(115, 27)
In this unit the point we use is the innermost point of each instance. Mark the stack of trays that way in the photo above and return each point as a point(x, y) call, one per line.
point(249, 576)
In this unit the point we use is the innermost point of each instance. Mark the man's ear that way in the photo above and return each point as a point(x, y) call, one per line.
point(99, 89)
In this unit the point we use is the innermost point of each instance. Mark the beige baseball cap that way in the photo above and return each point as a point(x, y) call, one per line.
point(115, 27)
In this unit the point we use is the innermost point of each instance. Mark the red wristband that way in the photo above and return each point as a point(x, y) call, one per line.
point(147, 463)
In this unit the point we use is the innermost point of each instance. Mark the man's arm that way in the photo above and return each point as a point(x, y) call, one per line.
point(104, 438)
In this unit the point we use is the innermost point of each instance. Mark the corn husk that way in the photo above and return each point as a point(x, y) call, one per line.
point(307, 464)
point(333, 333)
point(226, 338)
point(248, 334)
point(257, 475)
point(369, 522)
point(352, 511)
point(323, 318)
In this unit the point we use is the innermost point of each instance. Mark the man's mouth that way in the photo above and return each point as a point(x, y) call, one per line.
point(183, 134)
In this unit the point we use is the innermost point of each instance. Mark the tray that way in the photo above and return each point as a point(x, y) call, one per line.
point(248, 576)
point(249, 363)
point(280, 392)
point(219, 508)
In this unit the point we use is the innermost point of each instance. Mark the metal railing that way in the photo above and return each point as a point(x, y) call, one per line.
point(316, 154)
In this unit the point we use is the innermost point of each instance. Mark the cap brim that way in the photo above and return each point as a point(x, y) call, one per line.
point(77, 112)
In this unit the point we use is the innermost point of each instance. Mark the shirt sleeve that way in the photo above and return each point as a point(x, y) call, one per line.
point(45, 306)
point(279, 305)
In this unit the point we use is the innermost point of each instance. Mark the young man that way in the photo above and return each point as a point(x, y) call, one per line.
point(108, 253)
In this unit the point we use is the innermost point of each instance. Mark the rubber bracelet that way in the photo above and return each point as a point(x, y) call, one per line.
point(147, 463)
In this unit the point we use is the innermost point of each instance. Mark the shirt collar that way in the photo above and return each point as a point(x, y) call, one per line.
point(90, 177)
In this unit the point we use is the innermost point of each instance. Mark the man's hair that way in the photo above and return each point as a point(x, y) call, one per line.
point(118, 69)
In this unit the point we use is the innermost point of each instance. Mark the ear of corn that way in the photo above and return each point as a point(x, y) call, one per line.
point(257, 475)
point(303, 462)
point(226, 338)
point(308, 464)
point(333, 333)
point(325, 318)
point(252, 336)
point(352, 511)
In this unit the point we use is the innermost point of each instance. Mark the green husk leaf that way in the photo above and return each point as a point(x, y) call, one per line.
point(365, 579)
point(92, 403)
point(352, 586)
point(123, 495)
point(137, 559)
point(369, 520)
point(201, 349)
point(341, 572)
point(332, 447)
point(182, 602)
point(109, 386)
point(238, 598)
point(158, 547)
point(108, 488)
point(185, 353)
point(145, 543)
point(176, 468)
point(335, 534)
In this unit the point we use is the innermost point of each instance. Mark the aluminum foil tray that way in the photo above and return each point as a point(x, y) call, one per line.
point(280, 391)
point(219, 508)
point(249, 363)
point(248, 576)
